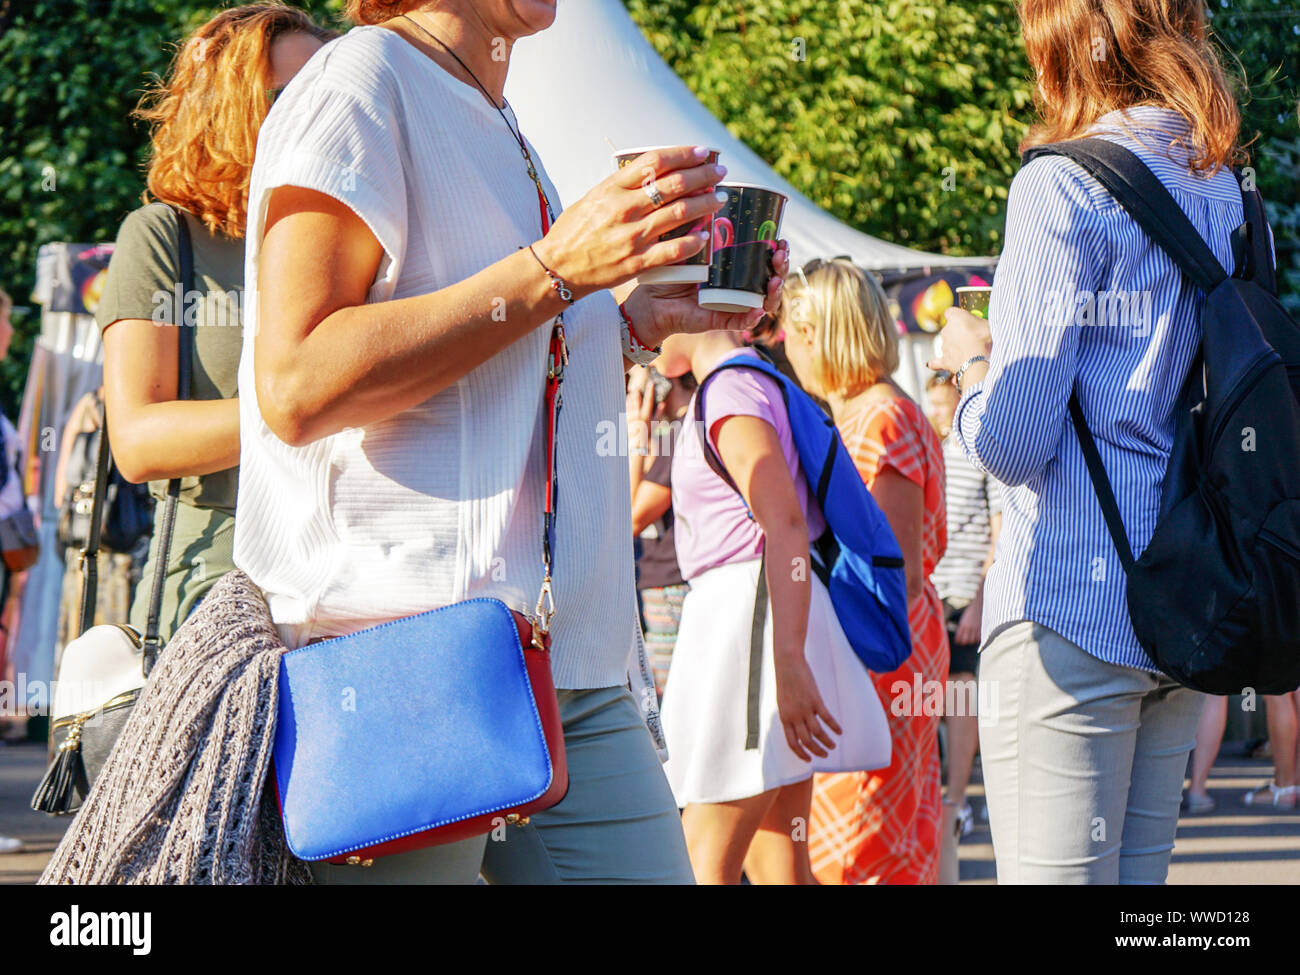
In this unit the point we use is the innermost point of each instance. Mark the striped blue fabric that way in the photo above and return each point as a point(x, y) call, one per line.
point(1084, 300)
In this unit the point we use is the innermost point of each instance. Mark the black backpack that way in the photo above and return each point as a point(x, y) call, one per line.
point(1215, 596)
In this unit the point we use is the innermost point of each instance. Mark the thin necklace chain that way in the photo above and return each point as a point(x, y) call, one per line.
point(523, 146)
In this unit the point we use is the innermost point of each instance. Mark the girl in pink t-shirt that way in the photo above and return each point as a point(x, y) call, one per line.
point(764, 688)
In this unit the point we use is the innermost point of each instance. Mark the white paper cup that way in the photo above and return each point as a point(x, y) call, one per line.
point(676, 274)
point(729, 300)
point(694, 270)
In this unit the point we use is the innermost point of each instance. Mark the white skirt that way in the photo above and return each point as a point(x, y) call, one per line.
point(706, 714)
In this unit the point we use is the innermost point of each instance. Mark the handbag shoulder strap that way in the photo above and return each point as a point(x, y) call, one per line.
point(557, 357)
point(184, 357)
point(90, 554)
point(103, 462)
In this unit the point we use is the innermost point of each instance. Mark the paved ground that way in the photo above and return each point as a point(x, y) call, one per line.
point(21, 768)
point(1236, 844)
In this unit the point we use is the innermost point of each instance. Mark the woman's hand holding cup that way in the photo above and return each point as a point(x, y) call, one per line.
point(660, 310)
point(963, 338)
point(612, 234)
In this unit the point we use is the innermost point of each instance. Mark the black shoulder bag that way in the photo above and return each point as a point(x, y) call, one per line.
point(103, 669)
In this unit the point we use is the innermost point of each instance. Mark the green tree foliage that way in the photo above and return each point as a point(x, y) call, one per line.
point(71, 158)
point(865, 104)
point(1264, 36)
point(901, 118)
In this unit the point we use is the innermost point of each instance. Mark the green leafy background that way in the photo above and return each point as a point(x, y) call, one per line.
point(901, 118)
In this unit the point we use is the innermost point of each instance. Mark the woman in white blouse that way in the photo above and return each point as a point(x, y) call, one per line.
point(402, 285)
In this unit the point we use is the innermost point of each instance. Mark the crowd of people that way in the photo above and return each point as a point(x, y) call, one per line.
point(365, 447)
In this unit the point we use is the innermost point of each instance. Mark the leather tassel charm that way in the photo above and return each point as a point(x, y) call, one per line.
point(64, 779)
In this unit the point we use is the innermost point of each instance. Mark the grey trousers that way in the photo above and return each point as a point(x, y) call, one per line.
point(1083, 761)
point(617, 824)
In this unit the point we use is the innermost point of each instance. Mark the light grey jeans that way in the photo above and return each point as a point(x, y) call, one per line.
point(617, 824)
point(1083, 762)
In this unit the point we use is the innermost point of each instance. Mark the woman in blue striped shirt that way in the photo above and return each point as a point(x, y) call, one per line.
point(1085, 750)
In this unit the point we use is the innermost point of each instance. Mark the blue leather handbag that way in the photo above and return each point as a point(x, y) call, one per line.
point(421, 731)
point(427, 729)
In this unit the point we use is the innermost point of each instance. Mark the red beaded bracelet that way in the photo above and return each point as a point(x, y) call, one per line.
point(637, 344)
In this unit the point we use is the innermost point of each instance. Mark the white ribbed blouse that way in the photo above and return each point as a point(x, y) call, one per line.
point(442, 502)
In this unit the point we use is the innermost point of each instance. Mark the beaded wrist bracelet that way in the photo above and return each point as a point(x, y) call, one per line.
point(557, 282)
point(636, 350)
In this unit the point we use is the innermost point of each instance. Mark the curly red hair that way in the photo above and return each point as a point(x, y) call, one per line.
point(1096, 56)
point(206, 115)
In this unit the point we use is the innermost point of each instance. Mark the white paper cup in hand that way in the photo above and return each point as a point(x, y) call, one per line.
point(693, 270)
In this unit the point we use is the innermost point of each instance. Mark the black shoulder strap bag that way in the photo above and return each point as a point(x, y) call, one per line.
point(184, 354)
point(103, 669)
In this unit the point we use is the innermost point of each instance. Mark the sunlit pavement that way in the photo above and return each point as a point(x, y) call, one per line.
point(1235, 844)
point(21, 768)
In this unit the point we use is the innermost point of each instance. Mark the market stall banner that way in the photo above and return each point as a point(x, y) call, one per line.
point(919, 300)
point(70, 277)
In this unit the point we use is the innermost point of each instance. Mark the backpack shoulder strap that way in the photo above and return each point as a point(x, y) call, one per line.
point(1262, 269)
point(1101, 485)
point(701, 431)
point(1138, 190)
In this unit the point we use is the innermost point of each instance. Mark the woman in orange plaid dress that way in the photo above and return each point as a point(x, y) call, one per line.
point(883, 826)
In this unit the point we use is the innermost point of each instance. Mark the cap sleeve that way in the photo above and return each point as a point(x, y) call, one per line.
point(742, 392)
point(336, 129)
point(885, 439)
point(142, 271)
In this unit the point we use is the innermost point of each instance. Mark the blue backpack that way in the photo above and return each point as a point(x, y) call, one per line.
point(857, 558)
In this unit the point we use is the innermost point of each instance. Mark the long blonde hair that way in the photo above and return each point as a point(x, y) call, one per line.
point(856, 340)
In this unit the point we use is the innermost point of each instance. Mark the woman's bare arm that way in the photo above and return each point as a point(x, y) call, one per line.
point(154, 435)
point(752, 455)
point(325, 360)
point(650, 503)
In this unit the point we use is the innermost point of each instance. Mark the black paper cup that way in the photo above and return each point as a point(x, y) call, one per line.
point(745, 232)
point(693, 270)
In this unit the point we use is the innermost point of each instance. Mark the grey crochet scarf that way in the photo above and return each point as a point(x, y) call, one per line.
point(184, 798)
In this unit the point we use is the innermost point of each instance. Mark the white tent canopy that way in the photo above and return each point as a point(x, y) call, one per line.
point(593, 77)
